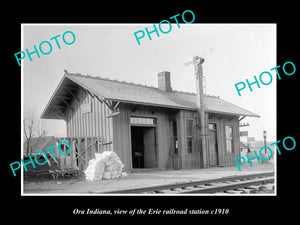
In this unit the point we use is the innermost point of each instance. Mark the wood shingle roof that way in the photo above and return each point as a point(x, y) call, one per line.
point(125, 92)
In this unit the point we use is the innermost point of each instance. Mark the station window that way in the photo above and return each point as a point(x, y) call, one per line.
point(229, 139)
point(189, 136)
point(212, 126)
point(142, 120)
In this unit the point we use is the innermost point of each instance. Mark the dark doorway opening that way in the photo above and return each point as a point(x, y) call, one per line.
point(143, 147)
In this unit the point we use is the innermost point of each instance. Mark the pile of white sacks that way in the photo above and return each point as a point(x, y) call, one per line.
point(106, 165)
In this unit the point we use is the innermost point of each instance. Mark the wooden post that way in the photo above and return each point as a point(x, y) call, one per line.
point(79, 150)
point(200, 106)
point(86, 152)
point(93, 147)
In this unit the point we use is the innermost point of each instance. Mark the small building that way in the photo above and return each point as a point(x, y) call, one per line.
point(40, 144)
point(148, 127)
point(35, 145)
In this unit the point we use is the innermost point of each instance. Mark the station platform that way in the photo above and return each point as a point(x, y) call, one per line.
point(136, 179)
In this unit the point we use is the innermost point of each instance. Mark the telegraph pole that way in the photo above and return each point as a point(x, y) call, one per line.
point(265, 139)
point(198, 61)
point(265, 144)
point(198, 70)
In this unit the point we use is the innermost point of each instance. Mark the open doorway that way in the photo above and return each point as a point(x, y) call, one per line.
point(143, 147)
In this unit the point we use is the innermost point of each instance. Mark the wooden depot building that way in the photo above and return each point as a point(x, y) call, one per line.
point(148, 127)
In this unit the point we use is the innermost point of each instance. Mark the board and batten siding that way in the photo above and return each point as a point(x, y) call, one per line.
point(195, 159)
point(88, 118)
point(226, 158)
point(189, 160)
point(122, 133)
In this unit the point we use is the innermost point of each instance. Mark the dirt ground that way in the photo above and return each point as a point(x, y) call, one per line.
point(142, 178)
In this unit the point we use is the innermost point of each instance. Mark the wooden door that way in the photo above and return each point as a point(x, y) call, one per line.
point(213, 145)
point(149, 148)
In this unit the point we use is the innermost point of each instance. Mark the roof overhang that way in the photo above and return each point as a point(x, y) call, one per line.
point(60, 99)
point(68, 87)
point(233, 114)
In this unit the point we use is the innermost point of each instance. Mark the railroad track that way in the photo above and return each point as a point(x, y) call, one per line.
point(205, 186)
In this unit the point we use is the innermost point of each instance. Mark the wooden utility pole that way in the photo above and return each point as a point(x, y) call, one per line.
point(198, 61)
point(198, 70)
point(265, 139)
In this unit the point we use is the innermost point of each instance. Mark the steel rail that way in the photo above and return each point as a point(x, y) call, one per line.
point(202, 186)
point(226, 187)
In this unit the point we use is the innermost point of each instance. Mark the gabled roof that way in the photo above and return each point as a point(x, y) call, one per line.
point(113, 90)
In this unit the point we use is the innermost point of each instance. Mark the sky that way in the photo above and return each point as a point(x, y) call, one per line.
point(240, 52)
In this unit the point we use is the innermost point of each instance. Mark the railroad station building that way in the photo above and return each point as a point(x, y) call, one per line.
point(148, 127)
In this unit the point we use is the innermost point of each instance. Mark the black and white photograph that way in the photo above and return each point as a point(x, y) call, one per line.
point(184, 112)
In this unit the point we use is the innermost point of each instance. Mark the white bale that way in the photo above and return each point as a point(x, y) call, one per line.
point(92, 178)
point(95, 169)
point(106, 165)
point(124, 174)
point(98, 155)
point(115, 174)
point(106, 175)
point(100, 166)
point(113, 167)
point(92, 161)
point(105, 155)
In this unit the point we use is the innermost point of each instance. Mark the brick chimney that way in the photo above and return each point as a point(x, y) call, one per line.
point(164, 81)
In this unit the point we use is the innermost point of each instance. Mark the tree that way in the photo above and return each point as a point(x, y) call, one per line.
point(33, 128)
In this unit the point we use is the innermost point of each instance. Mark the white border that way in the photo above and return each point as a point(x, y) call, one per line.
point(132, 24)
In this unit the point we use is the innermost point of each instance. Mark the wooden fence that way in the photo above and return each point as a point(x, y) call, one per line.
point(83, 149)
